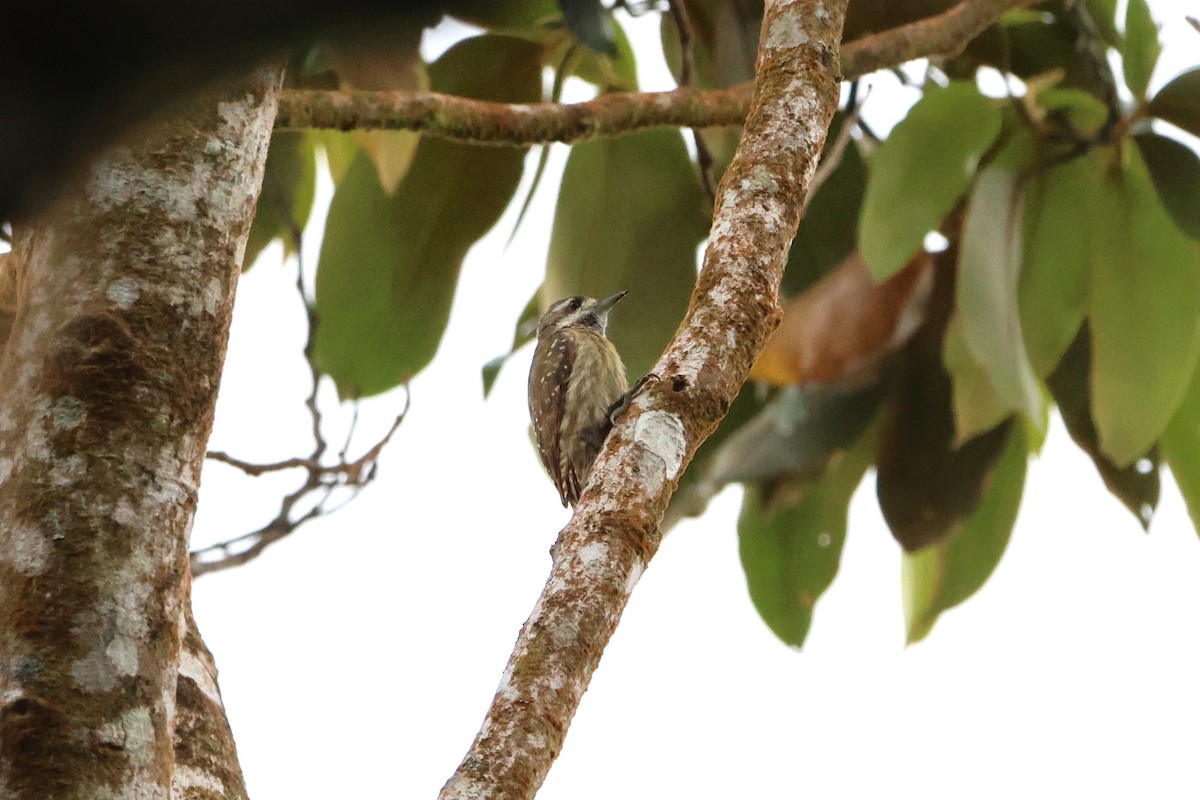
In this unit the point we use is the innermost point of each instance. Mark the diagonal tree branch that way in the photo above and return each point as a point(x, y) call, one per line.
point(944, 35)
point(615, 530)
point(617, 113)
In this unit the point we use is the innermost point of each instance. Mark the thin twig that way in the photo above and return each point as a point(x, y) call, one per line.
point(349, 431)
point(683, 26)
point(687, 65)
point(565, 67)
point(321, 479)
point(704, 161)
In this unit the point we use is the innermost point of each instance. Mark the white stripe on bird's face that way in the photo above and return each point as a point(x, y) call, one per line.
point(573, 312)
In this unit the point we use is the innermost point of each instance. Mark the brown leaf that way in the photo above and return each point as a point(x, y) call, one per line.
point(841, 330)
point(927, 487)
point(864, 17)
point(383, 60)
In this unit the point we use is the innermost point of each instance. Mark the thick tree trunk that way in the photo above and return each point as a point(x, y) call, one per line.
point(124, 291)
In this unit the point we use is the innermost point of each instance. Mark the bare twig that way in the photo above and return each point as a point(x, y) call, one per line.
point(321, 479)
point(704, 162)
point(687, 64)
point(683, 26)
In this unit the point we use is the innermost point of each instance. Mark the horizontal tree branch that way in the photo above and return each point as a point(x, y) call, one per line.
point(486, 122)
point(616, 113)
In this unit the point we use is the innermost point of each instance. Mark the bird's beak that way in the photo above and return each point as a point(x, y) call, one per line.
point(605, 305)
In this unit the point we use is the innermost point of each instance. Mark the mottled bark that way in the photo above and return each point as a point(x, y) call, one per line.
point(124, 292)
point(604, 549)
point(206, 762)
point(485, 122)
point(616, 113)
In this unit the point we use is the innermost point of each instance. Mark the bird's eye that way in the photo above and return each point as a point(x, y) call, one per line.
point(575, 303)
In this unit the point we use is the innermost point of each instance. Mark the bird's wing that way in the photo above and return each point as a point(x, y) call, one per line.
point(547, 400)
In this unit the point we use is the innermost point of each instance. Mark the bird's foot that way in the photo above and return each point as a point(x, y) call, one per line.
point(622, 403)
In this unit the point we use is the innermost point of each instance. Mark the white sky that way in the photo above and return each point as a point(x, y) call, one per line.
point(358, 657)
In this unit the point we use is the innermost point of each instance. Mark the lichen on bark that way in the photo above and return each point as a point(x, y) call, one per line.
point(615, 531)
point(107, 388)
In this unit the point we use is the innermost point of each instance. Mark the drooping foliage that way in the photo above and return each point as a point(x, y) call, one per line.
point(1068, 272)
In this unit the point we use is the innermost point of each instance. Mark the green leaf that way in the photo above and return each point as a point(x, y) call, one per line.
point(1080, 110)
point(1144, 307)
point(630, 215)
point(828, 231)
point(1034, 46)
point(921, 171)
point(942, 576)
point(1052, 290)
point(1141, 48)
point(791, 554)
point(989, 260)
point(1181, 448)
point(1104, 15)
point(509, 14)
point(977, 406)
point(340, 151)
point(1175, 171)
point(725, 41)
point(287, 194)
point(1179, 102)
point(389, 265)
point(1136, 485)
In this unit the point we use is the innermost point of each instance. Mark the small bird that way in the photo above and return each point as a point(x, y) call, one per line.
point(574, 382)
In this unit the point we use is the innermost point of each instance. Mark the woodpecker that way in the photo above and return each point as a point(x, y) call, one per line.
point(575, 380)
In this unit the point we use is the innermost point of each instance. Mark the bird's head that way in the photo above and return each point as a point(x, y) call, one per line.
point(577, 312)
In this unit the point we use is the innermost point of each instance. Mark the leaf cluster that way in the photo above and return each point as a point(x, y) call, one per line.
point(1068, 272)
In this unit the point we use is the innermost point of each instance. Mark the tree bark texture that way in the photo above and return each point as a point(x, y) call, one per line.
point(206, 762)
point(606, 546)
point(124, 292)
point(616, 113)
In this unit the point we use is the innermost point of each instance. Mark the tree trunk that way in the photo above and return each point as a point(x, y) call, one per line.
point(123, 296)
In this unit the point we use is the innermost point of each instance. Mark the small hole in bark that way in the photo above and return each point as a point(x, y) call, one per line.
point(679, 383)
point(20, 707)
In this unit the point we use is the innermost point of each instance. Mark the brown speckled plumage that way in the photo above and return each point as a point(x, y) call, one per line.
point(575, 377)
